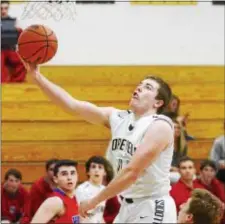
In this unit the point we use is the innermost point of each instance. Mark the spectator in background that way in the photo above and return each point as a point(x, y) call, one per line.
point(61, 206)
point(12, 69)
point(208, 179)
point(174, 108)
point(181, 191)
point(218, 155)
point(180, 150)
point(96, 171)
point(13, 196)
point(112, 205)
point(40, 190)
point(201, 208)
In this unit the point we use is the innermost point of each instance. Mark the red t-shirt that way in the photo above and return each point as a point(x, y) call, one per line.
point(71, 214)
point(216, 188)
point(39, 191)
point(112, 208)
point(181, 192)
point(12, 205)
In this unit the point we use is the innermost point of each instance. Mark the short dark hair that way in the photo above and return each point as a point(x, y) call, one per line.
point(65, 162)
point(205, 207)
point(13, 172)
point(184, 159)
point(50, 162)
point(171, 115)
point(164, 92)
point(209, 163)
point(95, 159)
point(5, 2)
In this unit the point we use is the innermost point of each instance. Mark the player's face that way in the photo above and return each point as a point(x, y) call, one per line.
point(4, 10)
point(187, 170)
point(183, 216)
point(12, 184)
point(97, 173)
point(207, 174)
point(173, 105)
point(66, 178)
point(50, 171)
point(143, 98)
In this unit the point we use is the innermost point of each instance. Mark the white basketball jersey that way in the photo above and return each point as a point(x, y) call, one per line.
point(127, 134)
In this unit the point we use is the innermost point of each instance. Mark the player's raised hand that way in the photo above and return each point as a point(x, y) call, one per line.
point(85, 206)
point(31, 68)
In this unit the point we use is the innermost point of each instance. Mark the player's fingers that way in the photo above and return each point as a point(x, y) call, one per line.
point(26, 65)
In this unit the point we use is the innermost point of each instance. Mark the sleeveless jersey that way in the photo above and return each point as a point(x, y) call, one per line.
point(71, 214)
point(127, 134)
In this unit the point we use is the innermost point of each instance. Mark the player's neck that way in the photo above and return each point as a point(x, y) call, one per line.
point(70, 194)
point(141, 113)
point(49, 181)
point(95, 183)
point(188, 182)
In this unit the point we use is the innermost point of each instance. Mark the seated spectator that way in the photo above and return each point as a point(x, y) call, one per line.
point(61, 206)
point(96, 171)
point(181, 191)
point(174, 108)
point(40, 190)
point(208, 180)
point(112, 205)
point(12, 69)
point(217, 154)
point(180, 150)
point(13, 196)
point(201, 208)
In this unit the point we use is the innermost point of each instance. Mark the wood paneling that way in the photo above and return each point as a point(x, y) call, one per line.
point(131, 75)
point(48, 111)
point(33, 171)
point(193, 92)
point(42, 151)
point(59, 131)
point(77, 150)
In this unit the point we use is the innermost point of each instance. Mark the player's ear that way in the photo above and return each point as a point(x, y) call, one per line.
point(159, 103)
point(189, 218)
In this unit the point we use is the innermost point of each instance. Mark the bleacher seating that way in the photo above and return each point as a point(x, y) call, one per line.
point(34, 129)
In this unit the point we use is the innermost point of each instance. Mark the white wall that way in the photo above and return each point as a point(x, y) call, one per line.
point(127, 34)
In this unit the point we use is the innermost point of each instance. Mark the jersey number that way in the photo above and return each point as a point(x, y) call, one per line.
point(121, 163)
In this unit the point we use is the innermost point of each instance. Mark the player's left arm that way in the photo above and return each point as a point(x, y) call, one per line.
point(156, 140)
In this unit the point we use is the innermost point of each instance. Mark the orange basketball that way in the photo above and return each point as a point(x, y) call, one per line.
point(37, 44)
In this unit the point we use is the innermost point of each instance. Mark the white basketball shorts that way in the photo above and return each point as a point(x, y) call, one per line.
point(147, 210)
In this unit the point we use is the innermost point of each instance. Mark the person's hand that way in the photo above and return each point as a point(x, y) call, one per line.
point(85, 206)
point(31, 68)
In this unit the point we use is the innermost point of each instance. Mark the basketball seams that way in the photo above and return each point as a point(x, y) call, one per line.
point(33, 31)
point(41, 48)
point(47, 46)
point(36, 41)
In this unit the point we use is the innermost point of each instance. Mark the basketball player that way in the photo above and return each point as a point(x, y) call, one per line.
point(141, 149)
point(201, 207)
point(96, 171)
point(61, 206)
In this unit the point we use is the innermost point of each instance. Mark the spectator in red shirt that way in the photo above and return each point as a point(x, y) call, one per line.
point(40, 190)
point(13, 196)
point(181, 191)
point(12, 69)
point(209, 181)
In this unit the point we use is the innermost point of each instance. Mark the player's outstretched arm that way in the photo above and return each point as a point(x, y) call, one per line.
point(156, 140)
point(50, 208)
point(88, 111)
